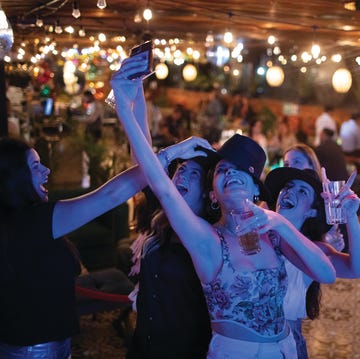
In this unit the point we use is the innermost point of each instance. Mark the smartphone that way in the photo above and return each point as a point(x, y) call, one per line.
point(146, 48)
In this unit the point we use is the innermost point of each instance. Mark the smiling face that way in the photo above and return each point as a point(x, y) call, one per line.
point(295, 202)
point(39, 174)
point(230, 184)
point(189, 181)
point(297, 159)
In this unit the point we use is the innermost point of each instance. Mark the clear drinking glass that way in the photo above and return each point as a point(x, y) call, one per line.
point(335, 214)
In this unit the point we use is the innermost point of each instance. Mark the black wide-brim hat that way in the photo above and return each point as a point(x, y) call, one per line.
point(248, 156)
point(277, 178)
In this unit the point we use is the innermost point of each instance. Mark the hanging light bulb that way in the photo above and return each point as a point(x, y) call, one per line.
point(6, 35)
point(76, 11)
point(81, 32)
point(39, 21)
point(147, 14)
point(189, 72)
point(161, 71)
point(137, 17)
point(342, 80)
point(315, 50)
point(101, 4)
point(275, 76)
point(58, 28)
point(228, 37)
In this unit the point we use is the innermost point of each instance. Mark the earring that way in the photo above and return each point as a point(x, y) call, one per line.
point(214, 206)
point(256, 198)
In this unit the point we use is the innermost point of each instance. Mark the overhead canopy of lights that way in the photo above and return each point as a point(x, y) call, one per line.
point(223, 50)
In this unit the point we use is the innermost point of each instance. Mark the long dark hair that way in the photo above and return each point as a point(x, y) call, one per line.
point(16, 188)
point(16, 192)
point(314, 228)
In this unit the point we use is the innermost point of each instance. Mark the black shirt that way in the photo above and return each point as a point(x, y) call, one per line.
point(172, 316)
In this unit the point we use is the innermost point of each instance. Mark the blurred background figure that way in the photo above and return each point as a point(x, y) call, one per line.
point(350, 135)
point(331, 156)
point(172, 127)
point(94, 112)
point(325, 120)
point(154, 115)
point(210, 117)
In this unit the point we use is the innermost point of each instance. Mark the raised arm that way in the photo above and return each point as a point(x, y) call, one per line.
point(347, 265)
point(73, 213)
point(298, 249)
point(198, 236)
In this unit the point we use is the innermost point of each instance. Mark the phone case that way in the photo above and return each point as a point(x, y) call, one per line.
point(146, 47)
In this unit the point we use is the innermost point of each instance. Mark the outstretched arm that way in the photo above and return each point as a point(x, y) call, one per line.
point(197, 235)
point(347, 265)
point(298, 249)
point(72, 213)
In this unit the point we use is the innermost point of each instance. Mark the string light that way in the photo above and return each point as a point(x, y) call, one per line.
point(58, 28)
point(76, 11)
point(101, 4)
point(39, 21)
point(81, 32)
point(137, 17)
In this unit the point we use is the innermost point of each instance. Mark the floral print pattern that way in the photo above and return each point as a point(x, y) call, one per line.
point(253, 299)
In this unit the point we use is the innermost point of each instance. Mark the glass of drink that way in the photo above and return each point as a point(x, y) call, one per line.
point(335, 214)
point(249, 242)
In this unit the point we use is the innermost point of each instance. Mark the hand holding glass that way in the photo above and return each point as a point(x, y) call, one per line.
point(249, 242)
point(335, 213)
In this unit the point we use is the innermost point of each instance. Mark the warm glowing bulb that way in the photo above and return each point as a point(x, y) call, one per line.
point(101, 4)
point(147, 14)
point(228, 37)
point(82, 32)
point(39, 22)
point(315, 51)
point(76, 13)
point(137, 18)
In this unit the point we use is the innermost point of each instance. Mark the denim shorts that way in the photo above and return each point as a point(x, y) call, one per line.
point(51, 350)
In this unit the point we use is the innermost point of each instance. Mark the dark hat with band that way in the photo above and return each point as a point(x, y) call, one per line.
point(277, 178)
point(248, 156)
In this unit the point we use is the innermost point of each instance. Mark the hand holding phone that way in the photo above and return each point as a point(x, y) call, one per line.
point(147, 49)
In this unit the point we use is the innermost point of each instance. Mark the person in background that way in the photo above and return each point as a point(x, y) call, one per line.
point(236, 112)
point(171, 128)
point(325, 120)
point(255, 132)
point(154, 114)
point(282, 139)
point(298, 198)
point(301, 156)
point(331, 156)
point(214, 249)
point(350, 135)
point(94, 115)
point(210, 117)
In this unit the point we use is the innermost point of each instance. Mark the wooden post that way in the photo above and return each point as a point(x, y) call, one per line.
point(4, 131)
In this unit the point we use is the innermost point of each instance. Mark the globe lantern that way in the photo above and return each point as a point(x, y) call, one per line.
point(161, 71)
point(275, 76)
point(342, 80)
point(189, 72)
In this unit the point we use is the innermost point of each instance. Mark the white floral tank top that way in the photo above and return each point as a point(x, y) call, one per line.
point(253, 299)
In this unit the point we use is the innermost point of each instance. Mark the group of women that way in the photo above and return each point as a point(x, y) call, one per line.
point(199, 295)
